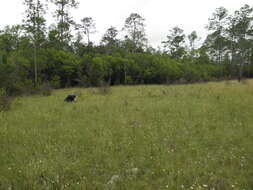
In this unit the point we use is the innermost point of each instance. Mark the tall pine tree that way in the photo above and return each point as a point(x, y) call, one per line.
point(34, 24)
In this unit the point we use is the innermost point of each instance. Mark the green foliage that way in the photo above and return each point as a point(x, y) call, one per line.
point(187, 136)
point(135, 26)
point(64, 61)
point(87, 27)
point(110, 41)
point(64, 20)
point(175, 42)
point(56, 82)
point(61, 67)
point(104, 88)
point(12, 78)
point(5, 100)
point(46, 89)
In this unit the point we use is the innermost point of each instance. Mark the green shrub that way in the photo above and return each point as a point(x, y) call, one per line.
point(5, 101)
point(46, 89)
point(104, 88)
point(56, 82)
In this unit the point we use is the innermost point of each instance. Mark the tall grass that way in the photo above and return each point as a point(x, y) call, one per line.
point(143, 137)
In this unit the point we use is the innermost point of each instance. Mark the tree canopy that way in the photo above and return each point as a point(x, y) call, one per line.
point(64, 54)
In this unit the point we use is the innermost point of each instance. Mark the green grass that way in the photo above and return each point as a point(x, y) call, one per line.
point(177, 137)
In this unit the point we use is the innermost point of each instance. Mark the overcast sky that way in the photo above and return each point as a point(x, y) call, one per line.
point(160, 15)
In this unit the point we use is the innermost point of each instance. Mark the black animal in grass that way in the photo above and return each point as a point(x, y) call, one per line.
point(71, 98)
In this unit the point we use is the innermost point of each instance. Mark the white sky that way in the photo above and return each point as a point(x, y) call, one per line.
point(160, 15)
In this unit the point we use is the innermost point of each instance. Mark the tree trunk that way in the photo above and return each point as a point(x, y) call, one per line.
point(232, 68)
point(125, 74)
point(35, 66)
point(240, 74)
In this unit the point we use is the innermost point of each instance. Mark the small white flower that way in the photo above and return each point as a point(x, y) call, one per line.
point(113, 180)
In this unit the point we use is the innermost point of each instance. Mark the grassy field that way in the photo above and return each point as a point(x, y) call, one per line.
point(140, 137)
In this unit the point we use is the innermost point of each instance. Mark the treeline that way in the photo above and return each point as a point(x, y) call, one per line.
point(32, 55)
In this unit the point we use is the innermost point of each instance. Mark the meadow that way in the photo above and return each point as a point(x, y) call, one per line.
point(152, 137)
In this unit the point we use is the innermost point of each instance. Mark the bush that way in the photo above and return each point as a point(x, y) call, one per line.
point(46, 89)
point(104, 88)
point(83, 81)
point(56, 82)
point(5, 101)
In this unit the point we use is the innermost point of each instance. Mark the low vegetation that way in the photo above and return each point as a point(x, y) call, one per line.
point(5, 101)
point(141, 137)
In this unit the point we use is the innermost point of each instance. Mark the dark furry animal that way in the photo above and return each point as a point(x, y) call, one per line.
point(71, 98)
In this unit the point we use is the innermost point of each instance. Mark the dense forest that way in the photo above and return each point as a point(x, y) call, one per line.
point(62, 55)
